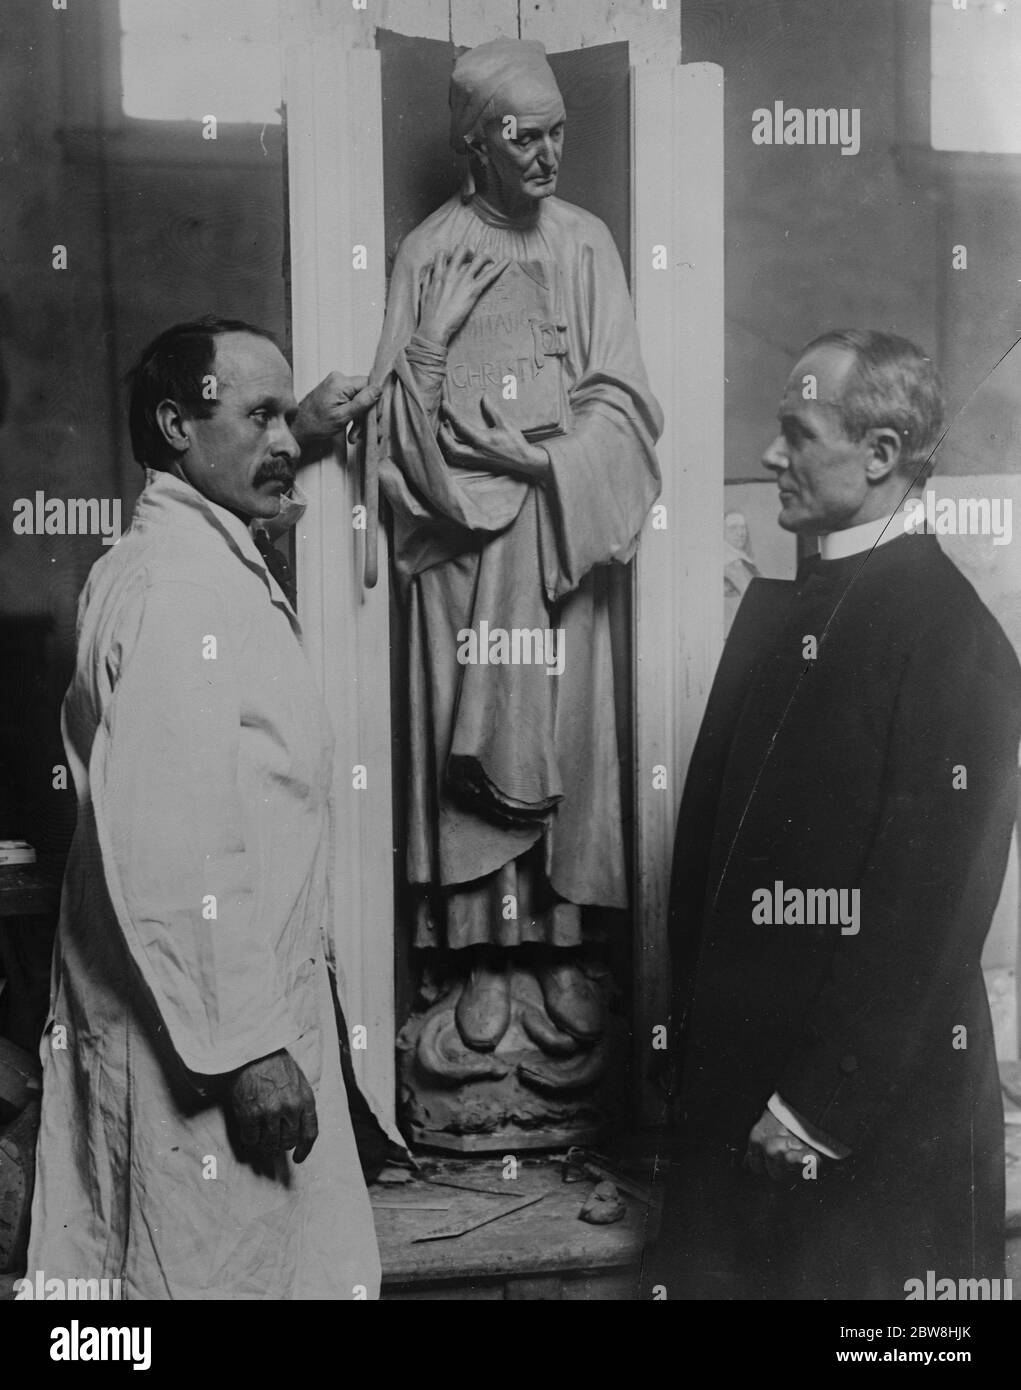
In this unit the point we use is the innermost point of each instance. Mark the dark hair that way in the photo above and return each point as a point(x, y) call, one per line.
point(894, 384)
point(172, 368)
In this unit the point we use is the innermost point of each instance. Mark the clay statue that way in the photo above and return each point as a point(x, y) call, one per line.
point(517, 435)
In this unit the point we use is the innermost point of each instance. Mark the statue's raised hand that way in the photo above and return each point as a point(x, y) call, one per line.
point(452, 286)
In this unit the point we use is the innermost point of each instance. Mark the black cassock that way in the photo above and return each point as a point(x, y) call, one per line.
point(886, 763)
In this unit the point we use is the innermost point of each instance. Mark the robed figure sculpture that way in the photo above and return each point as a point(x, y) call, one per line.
point(517, 435)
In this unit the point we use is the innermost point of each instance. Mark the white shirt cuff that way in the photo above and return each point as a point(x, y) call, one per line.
point(808, 1134)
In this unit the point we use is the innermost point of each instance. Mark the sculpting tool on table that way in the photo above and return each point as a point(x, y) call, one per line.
point(466, 1187)
point(461, 1228)
point(411, 1206)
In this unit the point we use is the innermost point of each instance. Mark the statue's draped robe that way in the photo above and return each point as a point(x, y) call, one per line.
point(507, 759)
point(193, 934)
point(843, 771)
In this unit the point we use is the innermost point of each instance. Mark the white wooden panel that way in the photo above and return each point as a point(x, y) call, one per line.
point(654, 35)
point(678, 182)
point(338, 20)
point(559, 24)
point(334, 145)
point(426, 19)
point(478, 21)
point(315, 21)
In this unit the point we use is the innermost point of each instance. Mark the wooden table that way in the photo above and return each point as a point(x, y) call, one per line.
point(540, 1252)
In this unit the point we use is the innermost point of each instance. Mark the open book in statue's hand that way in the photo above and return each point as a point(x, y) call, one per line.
point(511, 349)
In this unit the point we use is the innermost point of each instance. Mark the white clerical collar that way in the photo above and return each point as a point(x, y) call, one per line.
point(855, 539)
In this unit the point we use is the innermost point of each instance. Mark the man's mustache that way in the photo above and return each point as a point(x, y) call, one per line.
point(274, 471)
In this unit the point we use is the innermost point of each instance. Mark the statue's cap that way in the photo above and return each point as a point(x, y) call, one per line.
point(485, 74)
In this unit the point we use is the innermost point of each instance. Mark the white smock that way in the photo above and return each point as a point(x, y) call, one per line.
point(193, 934)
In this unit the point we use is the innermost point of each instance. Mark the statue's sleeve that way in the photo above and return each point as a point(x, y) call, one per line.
point(605, 476)
point(437, 510)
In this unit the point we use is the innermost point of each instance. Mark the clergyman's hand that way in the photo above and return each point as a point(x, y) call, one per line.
point(500, 447)
point(275, 1106)
point(330, 407)
point(773, 1149)
point(453, 284)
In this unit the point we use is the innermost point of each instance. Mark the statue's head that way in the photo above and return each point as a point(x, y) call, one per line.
point(507, 116)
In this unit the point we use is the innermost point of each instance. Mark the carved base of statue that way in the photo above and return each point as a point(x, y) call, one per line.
point(520, 1080)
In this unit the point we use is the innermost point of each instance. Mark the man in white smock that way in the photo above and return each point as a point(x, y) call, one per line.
point(195, 1140)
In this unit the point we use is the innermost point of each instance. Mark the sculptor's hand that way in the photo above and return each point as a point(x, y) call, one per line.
point(452, 286)
point(330, 407)
point(275, 1107)
point(774, 1150)
point(501, 448)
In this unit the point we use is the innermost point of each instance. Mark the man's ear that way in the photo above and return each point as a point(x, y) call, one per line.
point(173, 426)
point(885, 450)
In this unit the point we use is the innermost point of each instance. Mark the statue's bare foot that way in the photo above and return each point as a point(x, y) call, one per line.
point(441, 1056)
point(546, 1035)
point(483, 1011)
point(572, 1000)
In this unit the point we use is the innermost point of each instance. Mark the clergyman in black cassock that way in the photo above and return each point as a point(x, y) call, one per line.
point(861, 735)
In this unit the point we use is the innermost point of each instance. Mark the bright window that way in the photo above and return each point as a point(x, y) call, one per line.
point(188, 59)
point(976, 76)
